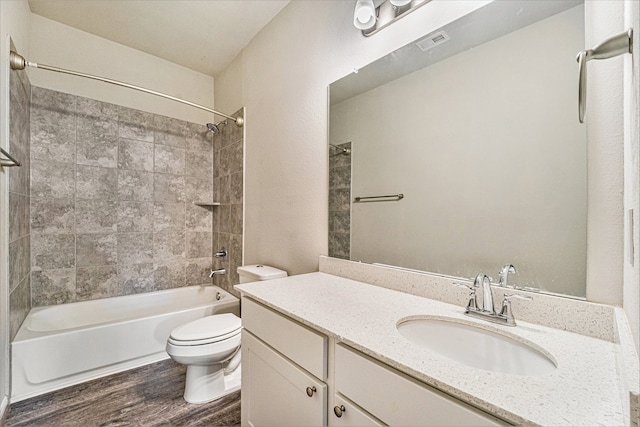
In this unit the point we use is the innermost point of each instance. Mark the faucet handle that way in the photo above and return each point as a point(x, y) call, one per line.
point(506, 312)
point(462, 285)
point(473, 302)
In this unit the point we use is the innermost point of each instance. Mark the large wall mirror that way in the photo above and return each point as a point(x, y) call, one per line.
point(476, 126)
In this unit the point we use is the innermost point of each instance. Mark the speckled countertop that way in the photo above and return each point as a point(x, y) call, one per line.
point(586, 389)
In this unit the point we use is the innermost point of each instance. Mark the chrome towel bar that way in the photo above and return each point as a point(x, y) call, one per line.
point(390, 198)
point(10, 161)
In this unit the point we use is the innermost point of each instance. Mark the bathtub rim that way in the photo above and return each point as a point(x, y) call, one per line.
point(25, 334)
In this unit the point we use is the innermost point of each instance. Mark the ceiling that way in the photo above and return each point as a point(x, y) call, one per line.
point(204, 35)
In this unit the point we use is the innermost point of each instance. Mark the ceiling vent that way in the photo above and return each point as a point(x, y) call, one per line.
point(432, 40)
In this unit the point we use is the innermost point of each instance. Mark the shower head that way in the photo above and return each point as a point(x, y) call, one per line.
point(215, 128)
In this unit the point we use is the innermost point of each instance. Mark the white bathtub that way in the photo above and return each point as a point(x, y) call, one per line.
point(58, 346)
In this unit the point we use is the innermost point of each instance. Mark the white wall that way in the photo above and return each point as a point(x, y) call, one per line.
point(228, 87)
point(62, 46)
point(488, 179)
point(282, 82)
point(631, 291)
point(14, 23)
point(284, 74)
point(604, 121)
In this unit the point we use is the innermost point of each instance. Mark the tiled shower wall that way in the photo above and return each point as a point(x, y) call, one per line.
point(228, 191)
point(340, 201)
point(113, 192)
point(19, 201)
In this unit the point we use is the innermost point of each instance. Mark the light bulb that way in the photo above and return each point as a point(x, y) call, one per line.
point(399, 3)
point(364, 16)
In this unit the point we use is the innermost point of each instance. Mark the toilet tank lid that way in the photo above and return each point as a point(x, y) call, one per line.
point(207, 327)
point(261, 272)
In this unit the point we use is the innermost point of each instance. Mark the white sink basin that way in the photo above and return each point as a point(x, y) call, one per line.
point(476, 347)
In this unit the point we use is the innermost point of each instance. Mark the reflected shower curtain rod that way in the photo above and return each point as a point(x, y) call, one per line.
point(18, 62)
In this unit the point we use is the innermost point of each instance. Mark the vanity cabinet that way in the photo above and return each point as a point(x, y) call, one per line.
point(285, 382)
point(396, 399)
point(284, 369)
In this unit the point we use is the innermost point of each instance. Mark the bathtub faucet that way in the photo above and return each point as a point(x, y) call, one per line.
point(218, 271)
point(220, 254)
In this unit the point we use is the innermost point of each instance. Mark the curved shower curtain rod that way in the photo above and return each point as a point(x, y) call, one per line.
point(18, 62)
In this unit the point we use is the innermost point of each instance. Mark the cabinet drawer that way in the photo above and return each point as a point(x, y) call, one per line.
point(396, 399)
point(304, 346)
point(350, 415)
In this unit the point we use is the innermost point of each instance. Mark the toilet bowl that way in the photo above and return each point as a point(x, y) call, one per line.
point(210, 348)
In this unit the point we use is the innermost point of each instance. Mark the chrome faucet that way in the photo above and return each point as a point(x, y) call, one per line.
point(504, 274)
point(488, 312)
point(218, 271)
point(482, 280)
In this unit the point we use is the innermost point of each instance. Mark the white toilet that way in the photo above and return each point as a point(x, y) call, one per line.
point(210, 347)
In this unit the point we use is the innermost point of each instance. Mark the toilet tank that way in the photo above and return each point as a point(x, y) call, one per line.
point(259, 272)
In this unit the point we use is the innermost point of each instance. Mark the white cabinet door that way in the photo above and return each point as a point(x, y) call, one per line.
point(347, 414)
point(276, 392)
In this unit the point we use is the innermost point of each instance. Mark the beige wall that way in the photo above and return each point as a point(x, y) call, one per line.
point(59, 45)
point(14, 23)
point(488, 179)
point(604, 122)
point(631, 290)
point(286, 70)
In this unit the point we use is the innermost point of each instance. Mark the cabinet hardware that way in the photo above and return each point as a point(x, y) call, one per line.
point(310, 391)
point(339, 410)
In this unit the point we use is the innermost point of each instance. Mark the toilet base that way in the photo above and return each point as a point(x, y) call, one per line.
point(207, 383)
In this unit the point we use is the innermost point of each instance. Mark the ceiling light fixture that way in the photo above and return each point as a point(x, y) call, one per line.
point(370, 16)
point(364, 16)
point(399, 3)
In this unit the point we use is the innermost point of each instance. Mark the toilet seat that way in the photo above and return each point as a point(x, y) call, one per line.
point(208, 330)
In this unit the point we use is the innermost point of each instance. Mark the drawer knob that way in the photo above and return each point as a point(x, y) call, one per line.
point(338, 410)
point(310, 391)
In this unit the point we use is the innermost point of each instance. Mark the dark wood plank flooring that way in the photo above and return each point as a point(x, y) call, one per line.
point(146, 396)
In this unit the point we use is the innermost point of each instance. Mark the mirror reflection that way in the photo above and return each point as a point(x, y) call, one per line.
point(477, 130)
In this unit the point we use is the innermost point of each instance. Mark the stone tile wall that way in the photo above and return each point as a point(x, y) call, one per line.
point(113, 192)
point(19, 201)
point(340, 202)
point(228, 191)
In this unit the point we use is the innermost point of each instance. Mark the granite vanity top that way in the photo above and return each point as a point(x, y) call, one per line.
point(586, 389)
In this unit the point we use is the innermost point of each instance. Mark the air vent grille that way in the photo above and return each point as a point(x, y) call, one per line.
point(432, 40)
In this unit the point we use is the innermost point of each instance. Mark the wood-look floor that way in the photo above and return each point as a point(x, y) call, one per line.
point(146, 396)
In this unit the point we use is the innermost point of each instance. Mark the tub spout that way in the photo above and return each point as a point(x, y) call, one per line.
point(218, 271)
